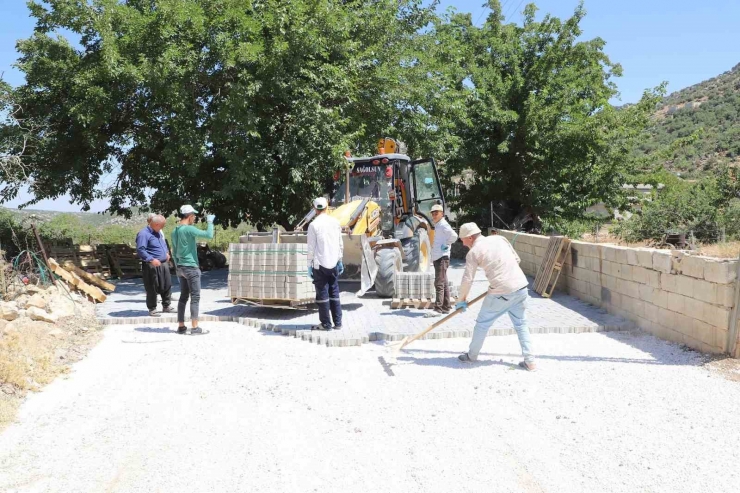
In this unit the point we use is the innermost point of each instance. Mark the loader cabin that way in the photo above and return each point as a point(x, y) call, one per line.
point(397, 184)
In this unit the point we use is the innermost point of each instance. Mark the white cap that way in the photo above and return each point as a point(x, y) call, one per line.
point(187, 209)
point(469, 229)
point(437, 207)
point(320, 203)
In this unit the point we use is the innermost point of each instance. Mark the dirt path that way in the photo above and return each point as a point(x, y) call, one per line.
point(238, 410)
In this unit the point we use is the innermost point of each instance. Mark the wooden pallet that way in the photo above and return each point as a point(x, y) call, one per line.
point(124, 261)
point(552, 264)
point(274, 302)
point(419, 304)
point(83, 256)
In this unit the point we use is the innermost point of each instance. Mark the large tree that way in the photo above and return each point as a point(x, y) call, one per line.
point(243, 105)
point(540, 135)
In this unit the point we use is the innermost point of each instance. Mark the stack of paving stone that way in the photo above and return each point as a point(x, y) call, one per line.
point(269, 271)
point(415, 285)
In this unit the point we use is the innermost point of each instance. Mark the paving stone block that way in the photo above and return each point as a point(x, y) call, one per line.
point(693, 266)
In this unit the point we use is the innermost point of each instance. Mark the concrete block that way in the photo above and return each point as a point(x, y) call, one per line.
point(669, 282)
point(667, 317)
point(683, 324)
point(623, 271)
point(608, 253)
point(634, 306)
point(654, 279)
point(676, 303)
point(620, 254)
point(692, 266)
point(609, 282)
point(706, 291)
point(720, 272)
point(594, 291)
point(646, 293)
point(685, 285)
point(652, 313)
point(662, 261)
point(632, 257)
point(720, 339)
point(725, 294)
point(641, 274)
point(645, 258)
point(628, 288)
point(719, 316)
point(693, 307)
point(540, 251)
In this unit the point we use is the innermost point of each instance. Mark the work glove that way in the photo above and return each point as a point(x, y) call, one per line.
point(210, 218)
point(461, 305)
point(310, 272)
point(445, 248)
point(340, 268)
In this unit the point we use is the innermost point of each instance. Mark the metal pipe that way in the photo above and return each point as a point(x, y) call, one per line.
point(346, 187)
point(43, 252)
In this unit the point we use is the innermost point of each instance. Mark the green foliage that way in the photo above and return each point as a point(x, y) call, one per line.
point(712, 107)
point(540, 133)
point(702, 208)
point(242, 105)
point(572, 228)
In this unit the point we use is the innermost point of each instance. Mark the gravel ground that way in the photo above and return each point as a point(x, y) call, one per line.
point(240, 410)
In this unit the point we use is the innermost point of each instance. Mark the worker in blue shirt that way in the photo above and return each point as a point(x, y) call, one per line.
point(154, 255)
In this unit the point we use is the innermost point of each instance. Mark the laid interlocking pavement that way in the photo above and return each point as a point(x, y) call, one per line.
point(366, 318)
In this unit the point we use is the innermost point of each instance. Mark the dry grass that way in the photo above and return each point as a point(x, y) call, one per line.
point(33, 356)
point(729, 249)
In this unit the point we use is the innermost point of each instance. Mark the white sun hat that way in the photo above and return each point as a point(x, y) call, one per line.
point(469, 229)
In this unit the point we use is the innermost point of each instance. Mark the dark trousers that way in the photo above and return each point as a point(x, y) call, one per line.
point(157, 281)
point(189, 278)
point(326, 282)
point(440, 283)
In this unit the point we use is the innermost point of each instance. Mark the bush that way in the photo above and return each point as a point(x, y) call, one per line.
point(572, 228)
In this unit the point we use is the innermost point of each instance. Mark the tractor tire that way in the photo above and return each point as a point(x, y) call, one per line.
point(389, 262)
point(418, 252)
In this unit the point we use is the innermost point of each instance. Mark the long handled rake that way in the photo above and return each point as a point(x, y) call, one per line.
point(396, 348)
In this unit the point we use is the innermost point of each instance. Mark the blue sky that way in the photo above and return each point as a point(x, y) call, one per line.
point(678, 41)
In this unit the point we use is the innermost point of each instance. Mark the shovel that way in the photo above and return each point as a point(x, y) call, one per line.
point(396, 348)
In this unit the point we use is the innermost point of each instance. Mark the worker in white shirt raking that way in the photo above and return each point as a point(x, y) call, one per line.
point(444, 237)
point(325, 265)
point(507, 292)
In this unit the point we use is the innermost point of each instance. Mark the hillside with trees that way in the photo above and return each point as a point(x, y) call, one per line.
point(711, 111)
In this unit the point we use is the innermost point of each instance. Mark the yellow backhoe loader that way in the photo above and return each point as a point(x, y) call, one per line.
point(383, 204)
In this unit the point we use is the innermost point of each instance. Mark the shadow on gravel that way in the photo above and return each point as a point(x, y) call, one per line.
point(453, 363)
point(156, 330)
point(405, 312)
point(129, 313)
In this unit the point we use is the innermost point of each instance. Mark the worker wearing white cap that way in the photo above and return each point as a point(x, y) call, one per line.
point(444, 237)
point(185, 255)
point(507, 292)
point(325, 250)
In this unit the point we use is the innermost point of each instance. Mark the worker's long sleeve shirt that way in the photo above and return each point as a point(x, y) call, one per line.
point(325, 246)
point(444, 235)
point(497, 258)
point(151, 245)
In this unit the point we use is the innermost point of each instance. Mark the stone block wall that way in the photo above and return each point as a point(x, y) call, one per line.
point(682, 298)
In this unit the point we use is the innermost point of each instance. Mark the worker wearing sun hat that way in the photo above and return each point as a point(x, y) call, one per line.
point(444, 237)
point(507, 292)
point(325, 250)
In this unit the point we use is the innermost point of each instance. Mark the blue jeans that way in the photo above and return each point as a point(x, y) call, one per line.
point(515, 304)
point(326, 282)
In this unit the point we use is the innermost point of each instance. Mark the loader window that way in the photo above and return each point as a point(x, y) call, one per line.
point(428, 190)
point(364, 182)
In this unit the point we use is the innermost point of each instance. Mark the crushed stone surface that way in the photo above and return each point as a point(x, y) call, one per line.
point(241, 410)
